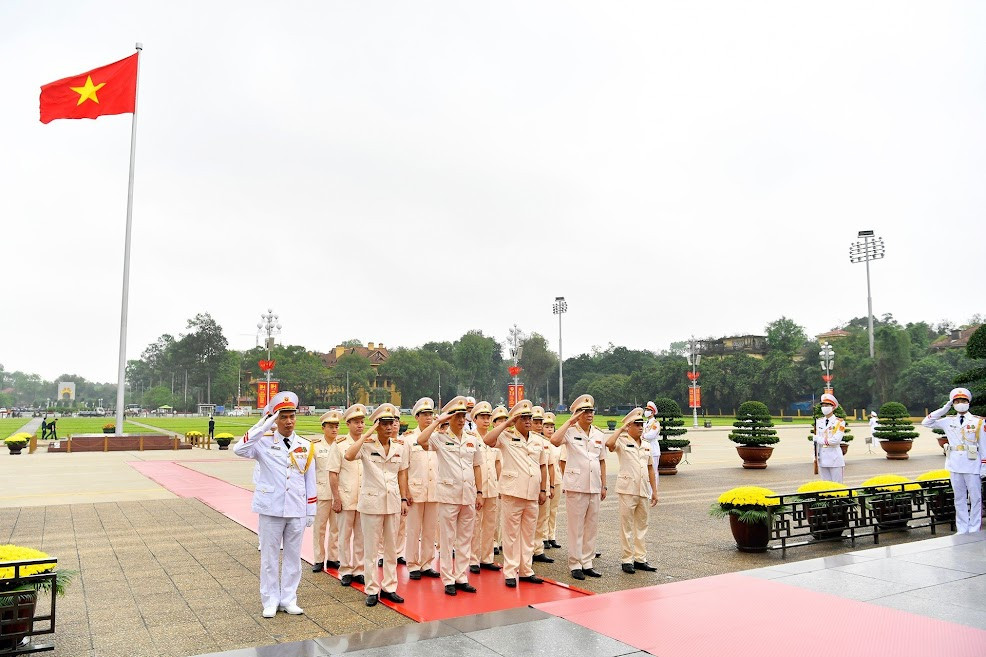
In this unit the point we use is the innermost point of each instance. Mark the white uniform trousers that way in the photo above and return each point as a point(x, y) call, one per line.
point(583, 522)
point(325, 523)
point(831, 474)
point(455, 521)
point(498, 538)
point(377, 528)
point(280, 589)
point(402, 536)
point(422, 525)
point(633, 526)
point(520, 518)
point(967, 485)
point(554, 502)
point(484, 532)
point(350, 543)
point(541, 532)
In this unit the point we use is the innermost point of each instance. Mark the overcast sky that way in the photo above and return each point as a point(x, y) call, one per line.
point(406, 171)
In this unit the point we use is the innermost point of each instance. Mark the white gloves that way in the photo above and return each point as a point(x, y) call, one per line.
point(941, 412)
point(262, 426)
point(310, 521)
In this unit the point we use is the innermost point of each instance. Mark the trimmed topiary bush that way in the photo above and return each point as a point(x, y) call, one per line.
point(669, 415)
point(753, 426)
point(894, 423)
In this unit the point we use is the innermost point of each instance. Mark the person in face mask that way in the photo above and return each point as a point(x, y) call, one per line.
point(829, 431)
point(652, 433)
point(963, 457)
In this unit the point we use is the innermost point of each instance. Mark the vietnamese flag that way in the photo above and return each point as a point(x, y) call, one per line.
point(110, 89)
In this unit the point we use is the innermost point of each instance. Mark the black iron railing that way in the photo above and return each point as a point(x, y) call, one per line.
point(20, 600)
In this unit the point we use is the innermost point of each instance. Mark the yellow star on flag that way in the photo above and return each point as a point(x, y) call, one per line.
point(88, 92)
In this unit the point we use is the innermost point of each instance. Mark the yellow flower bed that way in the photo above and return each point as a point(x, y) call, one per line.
point(825, 488)
point(748, 496)
point(933, 475)
point(225, 434)
point(883, 483)
point(17, 553)
point(22, 437)
point(194, 434)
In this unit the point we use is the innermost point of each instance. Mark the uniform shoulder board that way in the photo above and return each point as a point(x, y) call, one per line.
point(398, 441)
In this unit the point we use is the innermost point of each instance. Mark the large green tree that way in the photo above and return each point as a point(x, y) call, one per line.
point(538, 362)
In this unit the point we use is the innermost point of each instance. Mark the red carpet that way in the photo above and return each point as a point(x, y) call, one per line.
point(424, 600)
point(743, 616)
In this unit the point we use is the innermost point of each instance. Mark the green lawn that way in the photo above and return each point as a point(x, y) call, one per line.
point(10, 425)
point(68, 426)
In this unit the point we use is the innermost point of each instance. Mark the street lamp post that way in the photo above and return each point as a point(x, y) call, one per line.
point(826, 358)
point(694, 357)
point(269, 326)
point(871, 248)
point(560, 307)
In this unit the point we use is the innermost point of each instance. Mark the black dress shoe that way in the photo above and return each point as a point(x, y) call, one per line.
point(402, 561)
point(555, 543)
point(347, 580)
point(643, 565)
point(450, 589)
point(511, 582)
point(371, 600)
point(414, 574)
point(532, 579)
point(332, 564)
point(591, 573)
point(380, 562)
point(543, 558)
point(490, 566)
point(465, 586)
point(428, 572)
point(628, 568)
point(577, 574)
point(546, 544)
point(359, 579)
point(317, 568)
point(599, 554)
point(392, 596)
point(474, 569)
point(496, 550)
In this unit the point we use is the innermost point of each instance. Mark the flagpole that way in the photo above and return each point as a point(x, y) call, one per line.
point(121, 372)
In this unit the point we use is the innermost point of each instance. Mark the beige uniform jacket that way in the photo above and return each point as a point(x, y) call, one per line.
point(350, 473)
point(422, 474)
point(456, 460)
point(582, 469)
point(380, 492)
point(520, 475)
point(323, 451)
point(634, 456)
point(491, 487)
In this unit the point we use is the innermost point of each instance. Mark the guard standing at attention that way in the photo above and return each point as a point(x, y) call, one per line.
point(346, 479)
point(829, 431)
point(325, 517)
point(636, 484)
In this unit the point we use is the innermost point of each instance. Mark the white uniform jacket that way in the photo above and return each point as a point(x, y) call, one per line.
point(832, 429)
point(582, 470)
point(965, 438)
point(285, 474)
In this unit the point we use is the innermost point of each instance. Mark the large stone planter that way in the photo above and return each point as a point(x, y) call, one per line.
point(15, 449)
point(892, 512)
point(668, 465)
point(844, 447)
point(20, 607)
point(754, 457)
point(749, 537)
point(896, 449)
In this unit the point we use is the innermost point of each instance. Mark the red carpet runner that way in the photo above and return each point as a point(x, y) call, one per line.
point(743, 616)
point(424, 600)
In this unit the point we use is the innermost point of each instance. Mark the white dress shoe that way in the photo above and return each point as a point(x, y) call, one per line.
point(269, 612)
point(294, 610)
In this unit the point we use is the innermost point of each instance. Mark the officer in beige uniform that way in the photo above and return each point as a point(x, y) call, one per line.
point(499, 416)
point(523, 487)
point(382, 499)
point(555, 489)
point(484, 533)
point(422, 514)
point(544, 511)
point(325, 517)
point(346, 479)
point(636, 485)
point(585, 487)
point(460, 483)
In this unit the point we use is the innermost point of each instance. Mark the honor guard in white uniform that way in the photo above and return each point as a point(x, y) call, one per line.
point(382, 500)
point(484, 533)
point(325, 517)
point(460, 483)
point(636, 485)
point(829, 431)
point(652, 434)
point(555, 487)
point(585, 483)
point(284, 497)
point(963, 457)
point(422, 514)
point(544, 511)
point(523, 487)
point(470, 422)
point(346, 479)
point(499, 416)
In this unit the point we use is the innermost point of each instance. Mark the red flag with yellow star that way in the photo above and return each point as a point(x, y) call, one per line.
point(110, 89)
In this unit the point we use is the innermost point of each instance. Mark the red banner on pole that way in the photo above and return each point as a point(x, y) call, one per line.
point(261, 394)
point(695, 397)
point(514, 393)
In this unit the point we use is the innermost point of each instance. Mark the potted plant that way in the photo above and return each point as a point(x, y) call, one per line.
point(938, 492)
point(826, 505)
point(18, 598)
point(224, 439)
point(669, 415)
point(17, 442)
point(895, 430)
point(942, 438)
point(753, 430)
point(109, 427)
point(749, 509)
point(888, 497)
point(840, 413)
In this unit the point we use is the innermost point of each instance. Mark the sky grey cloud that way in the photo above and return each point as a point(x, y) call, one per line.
point(402, 172)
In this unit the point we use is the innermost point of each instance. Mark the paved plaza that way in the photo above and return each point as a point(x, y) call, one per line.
point(162, 575)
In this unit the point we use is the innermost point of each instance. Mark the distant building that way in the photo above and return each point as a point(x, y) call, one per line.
point(957, 339)
point(830, 336)
point(751, 345)
point(381, 389)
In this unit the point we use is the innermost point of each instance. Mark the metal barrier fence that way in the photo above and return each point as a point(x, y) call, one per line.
point(18, 609)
